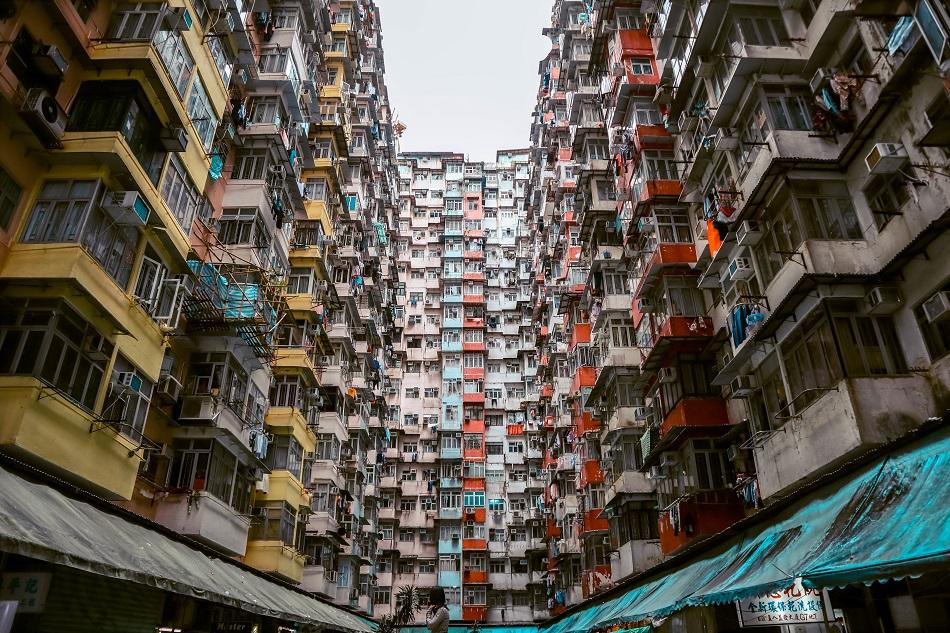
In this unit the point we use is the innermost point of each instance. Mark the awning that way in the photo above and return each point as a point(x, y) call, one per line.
point(40, 522)
point(889, 520)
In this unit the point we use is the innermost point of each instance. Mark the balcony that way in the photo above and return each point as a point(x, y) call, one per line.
point(273, 557)
point(697, 516)
point(43, 425)
point(474, 576)
point(593, 521)
point(852, 417)
point(205, 518)
point(474, 613)
point(585, 377)
point(695, 413)
point(590, 473)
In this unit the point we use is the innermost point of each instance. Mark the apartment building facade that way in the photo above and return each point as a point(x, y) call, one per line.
point(737, 210)
point(197, 270)
point(461, 486)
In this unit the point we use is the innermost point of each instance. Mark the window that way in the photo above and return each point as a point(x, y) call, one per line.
point(285, 453)
point(274, 60)
point(222, 58)
point(640, 66)
point(66, 211)
point(274, 522)
point(45, 339)
point(10, 193)
point(789, 108)
point(474, 499)
point(206, 465)
point(673, 225)
point(181, 196)
point(887, 194)
point(202, 116)
point(178, 61)
point(135, 22)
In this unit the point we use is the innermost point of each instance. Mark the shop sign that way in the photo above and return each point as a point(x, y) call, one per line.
point(28, 589)
point(236, 627)
point(795, 605)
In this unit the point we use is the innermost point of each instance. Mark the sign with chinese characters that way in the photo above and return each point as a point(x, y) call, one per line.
point(795, 605)
point(27, 588)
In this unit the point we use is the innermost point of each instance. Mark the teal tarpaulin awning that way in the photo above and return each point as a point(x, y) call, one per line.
point(889, 520)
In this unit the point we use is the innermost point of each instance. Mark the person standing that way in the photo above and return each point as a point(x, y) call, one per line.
point(437, 617)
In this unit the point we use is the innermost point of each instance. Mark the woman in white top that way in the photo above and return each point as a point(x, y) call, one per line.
point(437, 617)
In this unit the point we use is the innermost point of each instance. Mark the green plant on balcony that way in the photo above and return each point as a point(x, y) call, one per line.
point(404, 613)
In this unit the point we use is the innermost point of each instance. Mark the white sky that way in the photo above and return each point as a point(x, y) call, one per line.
point(462, 74)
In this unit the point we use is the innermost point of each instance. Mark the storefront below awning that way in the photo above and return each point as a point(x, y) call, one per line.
point(39, 522)
point(889, 520)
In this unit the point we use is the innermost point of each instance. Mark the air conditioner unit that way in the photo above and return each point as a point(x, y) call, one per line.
point(705, 67)
point(178, 19)
point(263, 484)
point(646, 225)
point(49, 60)
point(937, 307)
point(127, 208)
point(886, 158)
point(645, 305)
point(173, 139)
point(169, 388)
point(748, 234)
point(687, 122)
point(97, 348)
point(197, 409)
point(42, 110)
point(821, 79)
point(741, 268)
point(667, 374)
point(701, 228)
point(642, 414)
point(883, 300)
point(129, 381)
point(726, 140)
point(743, 386)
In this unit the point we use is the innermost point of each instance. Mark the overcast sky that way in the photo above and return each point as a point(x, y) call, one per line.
point(462, 74)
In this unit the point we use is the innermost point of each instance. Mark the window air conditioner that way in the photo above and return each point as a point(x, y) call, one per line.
point(641, 414)
point(741, 268)
point(126, 208)
point(883, 300)
point(748, 234)
point(646, 225)
point(743, 386)
point(173, 139)
point(937, 307)
point(49, 60)
point(667, 375)
point(886, 158)
point(169, 388)
point(821, 79)
point(178, 19)
point(129, 382)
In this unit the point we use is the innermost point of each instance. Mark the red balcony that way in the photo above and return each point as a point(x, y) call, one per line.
point(477, 454)
point(703, 514)
point(586, 423)
point(549, 421)
point(580, 333)
point(660, 189)
point(473, 398)
point(473, 323)
point(475, 514)
point(563, 153)
point(473, 254)
point(473, 483)
point(473, 347)
point(473, 426)
point(473, 373)
point(664, 257)
point(595, 580)
point(515, 429)
point(552, 530)
point(586, 376)
point(631, 42)
point(474, 233)
point(594, 521)
point(547, 390)
point(695, 412)
point(474, 613)
point(590, 473)
point(473, 299)
point(544, 360)
point(652, 137)
point(474, 576)
point(474, 276)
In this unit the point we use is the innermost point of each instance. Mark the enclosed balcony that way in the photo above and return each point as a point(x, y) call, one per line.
point(697, 516)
